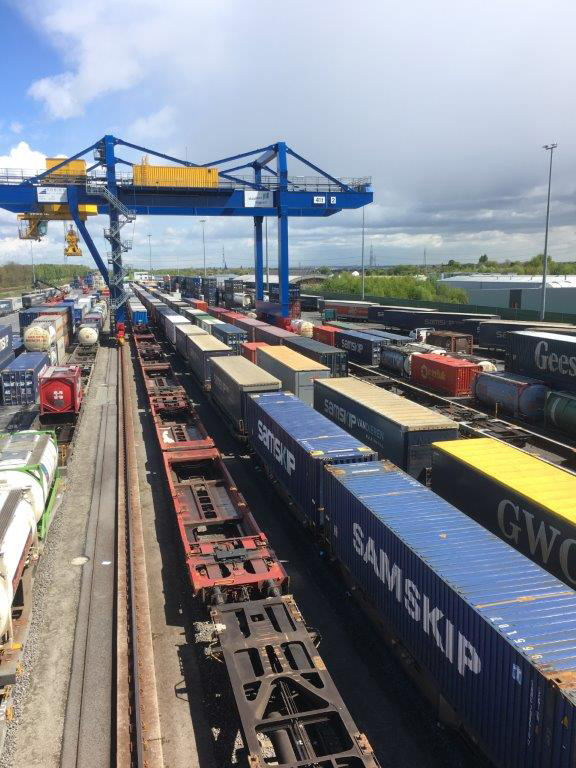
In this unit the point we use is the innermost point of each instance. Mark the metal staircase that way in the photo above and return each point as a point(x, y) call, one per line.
point(120, 215)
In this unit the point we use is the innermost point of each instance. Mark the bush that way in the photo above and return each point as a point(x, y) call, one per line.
point(392, 287)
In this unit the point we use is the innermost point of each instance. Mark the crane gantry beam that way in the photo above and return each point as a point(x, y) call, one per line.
point(265, 191)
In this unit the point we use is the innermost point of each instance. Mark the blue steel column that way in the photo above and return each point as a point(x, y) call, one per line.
point(116, 284)
point(283, 263)
point(258, 246)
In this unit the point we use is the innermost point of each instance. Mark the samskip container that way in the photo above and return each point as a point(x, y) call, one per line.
point(232, 377)
point(5, 344)
point(443, 374)
point(20, 378)
point(493, 334)
point(490, 634)
point(296, 372)
point(325, 354)
point(511, 392)
point(560, 411)
point(398, 429)
point(361, 347)
point(199, 351)
point(524, 500)
point(550, 357)
point(295, 442)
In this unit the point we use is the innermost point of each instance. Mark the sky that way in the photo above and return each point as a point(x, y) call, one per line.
point(446, 105)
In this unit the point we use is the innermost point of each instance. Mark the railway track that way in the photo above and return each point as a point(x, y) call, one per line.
point(138, 733)
point(474, 422)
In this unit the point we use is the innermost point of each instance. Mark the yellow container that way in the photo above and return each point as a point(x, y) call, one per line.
point(73, 168)
point(173, 176)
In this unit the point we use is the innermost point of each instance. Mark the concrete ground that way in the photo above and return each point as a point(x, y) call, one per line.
point(35, 737)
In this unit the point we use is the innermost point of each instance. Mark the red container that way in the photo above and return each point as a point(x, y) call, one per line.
point(273, 335)
point(248, 349)
point(60, 389)
point(445, 374)
point(325, 334)
point(217, 311)
point(198, 304)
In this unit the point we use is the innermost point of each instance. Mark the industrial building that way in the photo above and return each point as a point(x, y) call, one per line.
point(517, 291)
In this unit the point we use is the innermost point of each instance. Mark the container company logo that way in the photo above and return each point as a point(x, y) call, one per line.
point(280, 452)
point(353, 346)
point(537, 537)
point(432, 373)
point(554, 362)
point(457, 649)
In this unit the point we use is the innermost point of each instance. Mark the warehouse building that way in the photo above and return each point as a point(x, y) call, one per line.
point(517, 291)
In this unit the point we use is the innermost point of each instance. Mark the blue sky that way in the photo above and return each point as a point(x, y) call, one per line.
point(445, 105)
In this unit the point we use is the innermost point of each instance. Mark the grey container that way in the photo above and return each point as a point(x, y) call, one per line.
point(249, 324)
point(489, 635)
point(295, 443)
point(232, 378)
point(183, 332)
point(169, 323)
point(296, 372)
point(361, 347)
point(335, 359)
point(493, 334)
point(511, 392)
point(550, 357)
point(230, 334)
point(199, 352)
point(400, 430)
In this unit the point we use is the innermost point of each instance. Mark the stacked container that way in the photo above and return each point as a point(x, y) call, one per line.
point(199, 352)
point(20, 378)
point(295, 443)
point(296, 372)
point(232, 378)
point(210, 290)
point(400, 430)
point(444, 374)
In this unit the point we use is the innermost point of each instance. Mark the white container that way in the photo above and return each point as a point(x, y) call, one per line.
point(29, 462)
point(18, 526)
point(39, 337)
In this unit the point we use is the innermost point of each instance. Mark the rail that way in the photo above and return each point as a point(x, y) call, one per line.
point(138, 733)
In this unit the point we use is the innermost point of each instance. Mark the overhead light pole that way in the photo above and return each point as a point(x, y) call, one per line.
point(549, 148)
point(203, 222)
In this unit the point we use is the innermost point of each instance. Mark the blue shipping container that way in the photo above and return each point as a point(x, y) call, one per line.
point(361, 347)
point(5, 343)
point(295, 442)
point(494, 633)
point(20, 378)
point(26, 316)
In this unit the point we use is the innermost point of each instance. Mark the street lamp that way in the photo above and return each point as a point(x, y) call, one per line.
point(203, 222)
point(549, 148)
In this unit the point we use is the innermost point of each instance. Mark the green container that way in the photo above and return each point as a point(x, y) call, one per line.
point(560, 411)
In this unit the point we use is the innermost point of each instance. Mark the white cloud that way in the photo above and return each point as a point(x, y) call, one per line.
point(16, 127)
point(158, 125)
point(23, 157)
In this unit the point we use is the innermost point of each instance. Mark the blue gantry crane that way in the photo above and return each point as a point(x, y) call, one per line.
point(265, 189)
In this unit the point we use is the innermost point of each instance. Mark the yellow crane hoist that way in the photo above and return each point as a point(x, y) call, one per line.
point(72, 247)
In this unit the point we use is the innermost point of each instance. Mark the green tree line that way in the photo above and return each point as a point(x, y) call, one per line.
point(392, 287)
point(20, 276)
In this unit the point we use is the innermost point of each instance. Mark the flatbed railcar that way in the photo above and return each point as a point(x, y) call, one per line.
point(232, 568)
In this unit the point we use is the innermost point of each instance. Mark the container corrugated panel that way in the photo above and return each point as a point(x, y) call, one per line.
point(207, 322)
point(400, 430)
point(20, 378)
point(547, 356)
point(324, 333)
point(494, 633)
point(5, 343)
point(183, 332)
point(146, 175)
point(361, 347)
point(230, 334)
point(199, 351)
point(524, 500)
point(296, 372)
point(250, 325)
point(335, 359)
point(444, 374)
point(272, 335)
point(511, 392)
point(560, 411)
point(295, 442)
point(231, 378)
point(169, 323)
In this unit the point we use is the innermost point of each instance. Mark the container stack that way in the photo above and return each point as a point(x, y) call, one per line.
point(210, 290)
point(20, 378)
point(232, 286)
